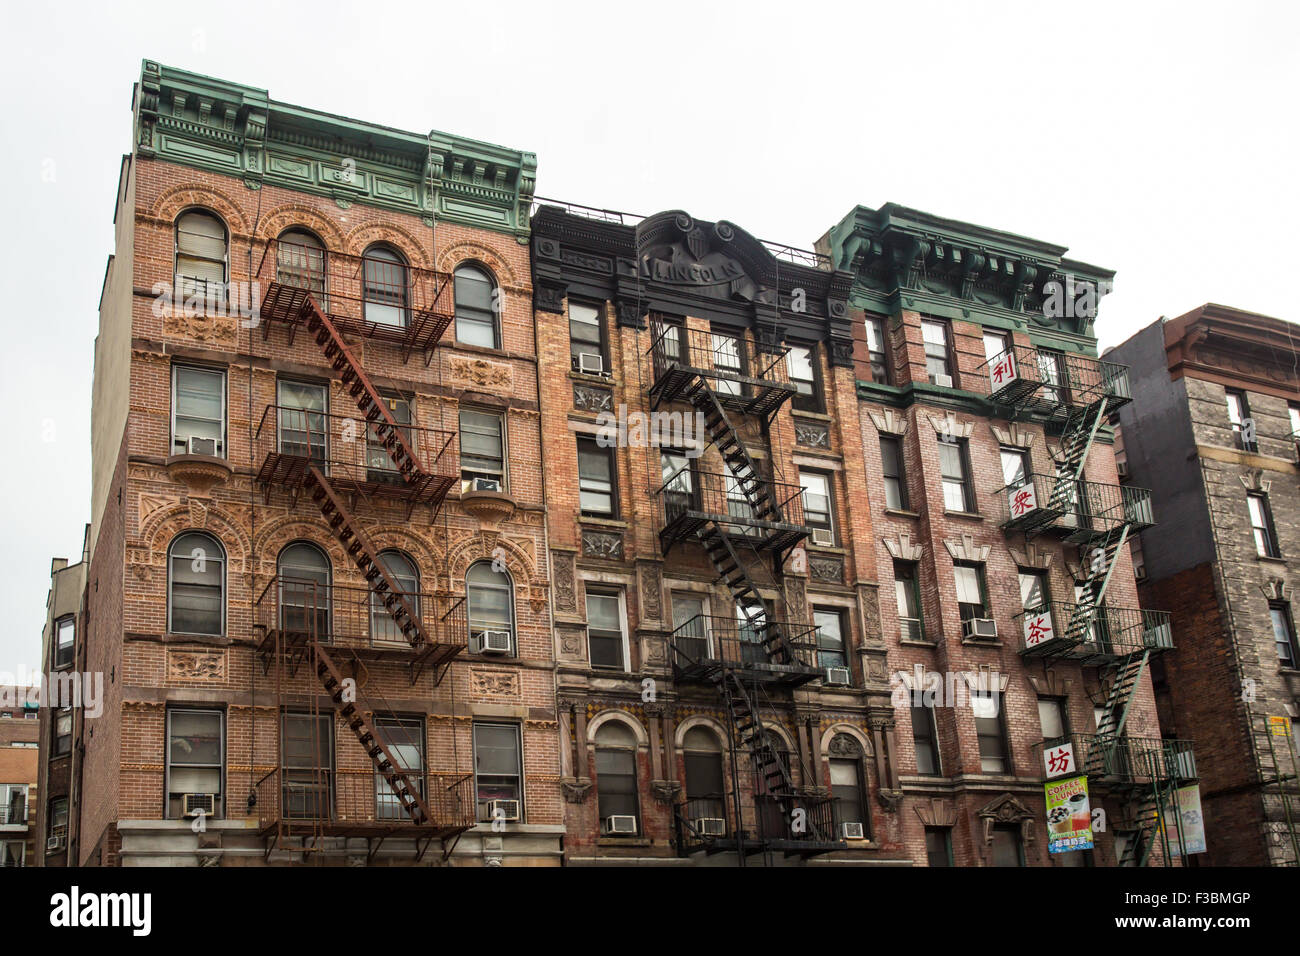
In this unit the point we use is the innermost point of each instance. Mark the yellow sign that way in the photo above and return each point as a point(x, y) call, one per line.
point(1280, 726)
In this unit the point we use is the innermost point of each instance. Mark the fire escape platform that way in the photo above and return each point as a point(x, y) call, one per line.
point(751, 396)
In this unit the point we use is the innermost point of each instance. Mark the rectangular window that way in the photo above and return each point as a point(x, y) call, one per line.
point(938, 846)
point(198, 411)
point(1288, 652)
point(1051, 373)
point(991, 731)
point(596, 479)
point(586, 339)
point(63, 732)
point(995, 343)
point(691, 626)
point(677, 472)
point(302, 420)
point(482, 451)
point(846, 790)
point(13, 804)
point(925, 741)
point(1293, 417)
point(308, 774)
point(56, 822)
point(1007, 847)
point(1033, 589)
point(908, 592)
point(1243, 430)
point(876, 351)
point(1261, 522)
point(616, 788)
point(606, 637)
point(404, 738)
point(800, 362)
point(1015, 466)
point(1051, 716)
point(498, 766)
point(938, 356)
point(830, 637)
point(13, 853)
point(972, 595)
point(195, 760)
point(65, 647)
point(379, 463)
point(727, 361)
point(891, 466)
point(957, 492)
point(817, 506)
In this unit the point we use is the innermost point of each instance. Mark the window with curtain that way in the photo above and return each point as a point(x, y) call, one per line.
point(1051, 717)
point(1261, 523)
point(1033, 589)
point(476, 315)
point(616, 778)
point(305, 591)
point(406, 576)
point(385, 287)
point(196, 594)
point(1015, 466)
point(198, 411)
point(200, 256)
point(971, 599)
point(990, 731)
point(817, 511)
point(490, 600)
point(498, 766)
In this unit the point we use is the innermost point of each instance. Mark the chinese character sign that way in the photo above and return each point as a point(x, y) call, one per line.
point(1003, 370)
point(1038, 628)
point(1022, 500)
point(1069, 816)
point(1059, 760)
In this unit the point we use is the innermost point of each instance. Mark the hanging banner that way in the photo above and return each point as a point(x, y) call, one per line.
point(1187, 819)
point(1002, 370)
point(1069, 815)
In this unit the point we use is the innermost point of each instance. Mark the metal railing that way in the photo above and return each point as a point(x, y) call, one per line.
point(718, 496)
point(734, 364)
point(1113, 631)
point(1022, 375)
point(325, 797)
point(1130, 760)
point(711, 640)
point(1074, 505)
point(763, 819)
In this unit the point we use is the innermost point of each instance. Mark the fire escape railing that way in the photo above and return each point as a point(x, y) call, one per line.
point(339, 797)
point(1051, 382)
point(709, 641)
point(691, 498)
point(1079, 507)
point(744, 378)
point(1113, 633)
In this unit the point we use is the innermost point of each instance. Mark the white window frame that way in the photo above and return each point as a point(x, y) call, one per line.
point(223, 451)
point(610, 590)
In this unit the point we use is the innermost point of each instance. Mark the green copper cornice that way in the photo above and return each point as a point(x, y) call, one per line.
point(905, 259)
point(224, 127)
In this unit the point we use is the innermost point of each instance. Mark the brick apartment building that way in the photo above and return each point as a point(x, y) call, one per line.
point(1213, 432)
point(316, 590)
point(997, 526)
point(19, 776)
point(720, 679)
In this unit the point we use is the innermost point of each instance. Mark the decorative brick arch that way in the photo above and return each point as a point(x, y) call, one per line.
point(425, 555)
point(700, 720)
point(468, 251)
point(158, 530)
point(284, 529)
point(475, 548)
point(617, 716)
point(849, 730)
point(366, 235)
point(171, 203)
point(297, 215)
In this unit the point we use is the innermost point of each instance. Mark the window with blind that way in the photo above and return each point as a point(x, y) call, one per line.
point(498, 766)
point(972, 598)
point(596, 479)
point(198, 411)
point(196, 600)
point(385, 287)
point(200, 256)
point(482, 451)
point(616, 778)
point(586, 339)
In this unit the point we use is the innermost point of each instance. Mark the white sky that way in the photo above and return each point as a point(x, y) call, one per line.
point(1157, 139)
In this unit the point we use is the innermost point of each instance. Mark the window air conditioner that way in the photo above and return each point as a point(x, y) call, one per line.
point(838, 676)
point(486, 484)
point(943, 380)
point(711, 826)
point(491, 642)
point(620, 823)
point(979, 627)
point(194, 803)
point(853, 831)
point(202, 446)
point(507, 810)
point(591, 364)
point(56, 842)
point(823, 537)
point(1121, 468)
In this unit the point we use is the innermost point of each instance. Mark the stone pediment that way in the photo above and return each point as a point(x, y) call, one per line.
point(718, 259)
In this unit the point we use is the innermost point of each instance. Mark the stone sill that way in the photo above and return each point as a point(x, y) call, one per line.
point(586, 378)
point(825, 549)
point(1269, 559)
point(972, 642)
point(615, 523)
point(902, 514)
point(821, 417)
point(907, 643)
point(972, 515)
point(636, 841)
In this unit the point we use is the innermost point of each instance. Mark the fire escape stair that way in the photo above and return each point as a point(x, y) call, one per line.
point(725, 438)
point(1076, 441)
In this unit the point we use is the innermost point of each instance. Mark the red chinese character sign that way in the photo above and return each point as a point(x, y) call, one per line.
point(1038, 628)
point(1022, 500)
point(1002, 370)
point(1059, 760)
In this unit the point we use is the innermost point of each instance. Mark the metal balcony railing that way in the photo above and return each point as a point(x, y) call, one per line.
point(764, 824)
point(1113, 632)
point(706, 643)
point(348, 450)
point(1082, 509)
point(743, 377)
point(1054, 382)
point(1130, 760)
point(372, 295)
point(13, 814)
point(772, 509)
point(297, 609)
point(339, 802)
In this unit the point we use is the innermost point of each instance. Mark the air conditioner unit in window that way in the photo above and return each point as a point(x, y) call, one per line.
point(203, 446)
point(943, 380)
point(192, 804)
point(507, 810)
point(486, 484)
point(979, 627)
point(56, 842)
point(711, 826)
point(853, 831)
point(838, 676)
point(490, 642)
point(1121, 468)
point(620, 823)
point(591, 364)
point(823, 537)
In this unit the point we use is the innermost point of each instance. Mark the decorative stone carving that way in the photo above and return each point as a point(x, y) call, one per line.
point(1032, 557)
point(571, 641)
point(796, 600)
point(1006, 809)
point(950, 427)
point(828, 568)
point(843, 745)
point(548, 298)
point(937, 812)
point(665, 791)
point(812, 434)
point(889, 799)
point(902, 548)
point(196, 665)
point(575, 789)
point(965, 549)
point(1276, 589)
point(889, 422)
point(481, 373)
point(1254, 480)
point(493, 683)
point(1013, 436)
point(198, 472)
point(198, 512)
point(222, 330)
point(602, 544)
point(563, 592)
point(489, 507)
point(589, 399)
point(651, 592)
point(1050, 684)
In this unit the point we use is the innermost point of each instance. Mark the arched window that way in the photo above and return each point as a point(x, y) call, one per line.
point(196, 586)
point(616, 785)
point(200, 254)
point(476, 319)
point(385, 288)
point(300, 262)
point(705, 789)
point(305, 596)
point(848, 788)
point(490, 596)
point(407, 578)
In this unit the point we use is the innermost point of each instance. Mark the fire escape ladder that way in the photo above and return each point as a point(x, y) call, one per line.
point(353, 711)
point(1100, 559)
point(348, 531)
point(731, 570)
point(725, 437)
point(1120, 697)
point(1146, 817)
point(1076, 441)
point(753, 737)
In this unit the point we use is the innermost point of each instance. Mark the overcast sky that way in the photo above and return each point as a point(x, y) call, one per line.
point(1156, 139)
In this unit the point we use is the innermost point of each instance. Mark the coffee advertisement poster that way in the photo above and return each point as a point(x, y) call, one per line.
point(1069, 816)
